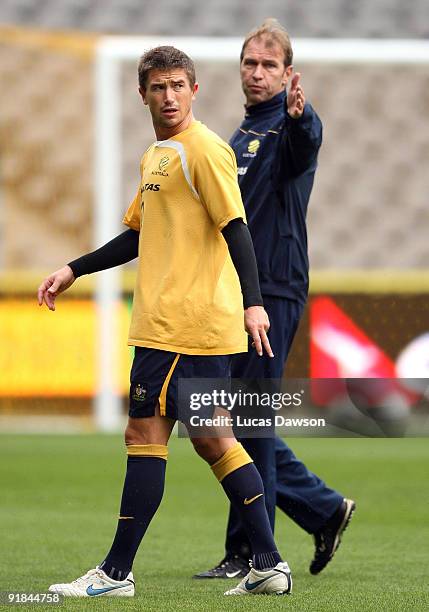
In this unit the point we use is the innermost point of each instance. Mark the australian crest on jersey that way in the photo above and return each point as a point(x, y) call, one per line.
point(155, 169)
point(165, 173)
point(151, 175)
point(248, 148)
point(162, 166)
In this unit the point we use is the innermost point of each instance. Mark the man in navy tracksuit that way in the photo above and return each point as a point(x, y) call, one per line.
point(276, 148)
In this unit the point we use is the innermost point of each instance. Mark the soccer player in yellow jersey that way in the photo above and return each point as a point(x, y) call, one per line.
point(187, 226)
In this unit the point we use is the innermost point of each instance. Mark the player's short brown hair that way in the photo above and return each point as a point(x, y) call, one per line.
point(273, 30)
point(165, 58)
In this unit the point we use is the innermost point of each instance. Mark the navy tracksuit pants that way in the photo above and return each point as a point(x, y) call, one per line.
point(288, 483)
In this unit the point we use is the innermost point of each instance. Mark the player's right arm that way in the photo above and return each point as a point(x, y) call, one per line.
point(55, 283)
point(118, 251)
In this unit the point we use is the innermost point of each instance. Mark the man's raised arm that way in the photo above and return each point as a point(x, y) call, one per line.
point(303, 128)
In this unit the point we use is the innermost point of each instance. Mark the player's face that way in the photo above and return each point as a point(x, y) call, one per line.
point(169, 96)
point(262, 70)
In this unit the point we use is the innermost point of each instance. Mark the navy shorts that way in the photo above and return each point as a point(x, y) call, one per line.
point(155, 376)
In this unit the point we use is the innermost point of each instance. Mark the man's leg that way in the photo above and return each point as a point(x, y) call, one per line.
point(284, 318)
point(306, 499)
point(243, 485)
point(146, 441)
point(250, 367)
point(300, 492)
point(237, 545)
point(302, 495)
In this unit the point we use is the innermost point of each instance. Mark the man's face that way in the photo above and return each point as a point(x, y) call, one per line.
point(262, 70)
point(169, 96)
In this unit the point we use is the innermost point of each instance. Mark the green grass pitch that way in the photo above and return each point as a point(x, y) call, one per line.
point(60, 496)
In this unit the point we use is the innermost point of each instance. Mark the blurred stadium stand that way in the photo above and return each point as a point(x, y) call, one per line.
point(369, 206)
point(330, 18)
point(46, 149)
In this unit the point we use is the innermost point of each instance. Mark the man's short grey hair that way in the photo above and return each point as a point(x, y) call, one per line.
point(272, 30)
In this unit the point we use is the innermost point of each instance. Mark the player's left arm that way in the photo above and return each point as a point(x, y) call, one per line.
point(303, 129)
point(240, 245)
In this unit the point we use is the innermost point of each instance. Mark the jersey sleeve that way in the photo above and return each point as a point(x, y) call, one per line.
point(301, 140)
point(215, 180)
point(132, 217)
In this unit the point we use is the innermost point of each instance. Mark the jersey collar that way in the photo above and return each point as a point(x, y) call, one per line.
point(267, 107)
point(178, 136)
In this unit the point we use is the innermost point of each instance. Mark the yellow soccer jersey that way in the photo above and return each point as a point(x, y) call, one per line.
point(187, 297)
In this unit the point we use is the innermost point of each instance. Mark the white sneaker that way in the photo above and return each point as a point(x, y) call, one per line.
point(275, 581)
point(96, 584)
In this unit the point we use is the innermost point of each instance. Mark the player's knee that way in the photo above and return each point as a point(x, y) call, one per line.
point(140, 434)
point(133, 436)
point(208, 449)
point(151, 430)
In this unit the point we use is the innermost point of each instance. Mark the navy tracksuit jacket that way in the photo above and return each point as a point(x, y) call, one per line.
point(277, 159)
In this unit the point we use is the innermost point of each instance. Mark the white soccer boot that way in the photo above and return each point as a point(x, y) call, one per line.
point(275, 581)
point(96, 583)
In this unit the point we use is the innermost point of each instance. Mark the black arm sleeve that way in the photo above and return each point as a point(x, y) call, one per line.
point(240, 246)
point(120, 250)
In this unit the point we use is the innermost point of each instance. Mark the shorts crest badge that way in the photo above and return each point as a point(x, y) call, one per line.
point(139, 393)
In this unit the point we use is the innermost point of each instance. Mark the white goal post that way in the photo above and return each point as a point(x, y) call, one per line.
point(110, 53)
